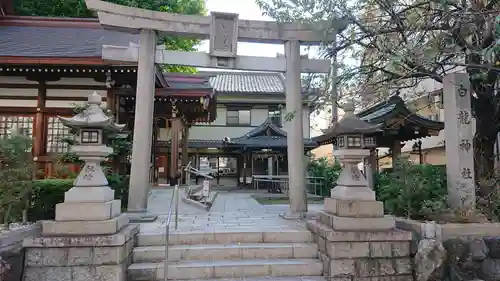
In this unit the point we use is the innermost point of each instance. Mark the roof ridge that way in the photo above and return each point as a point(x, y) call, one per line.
point(39, 18)
point(50, 22)
point(242, 73)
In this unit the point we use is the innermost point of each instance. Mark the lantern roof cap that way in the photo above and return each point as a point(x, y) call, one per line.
point(92, 117)
point(351, 124)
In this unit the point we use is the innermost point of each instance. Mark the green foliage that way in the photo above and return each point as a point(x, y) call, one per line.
point(49, 192)
point(323, 168)
point(16, 173)
point(413, 191)
point(78, 9)
point(46, 194)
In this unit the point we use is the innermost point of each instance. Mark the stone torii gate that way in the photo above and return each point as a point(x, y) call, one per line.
point(224, 31)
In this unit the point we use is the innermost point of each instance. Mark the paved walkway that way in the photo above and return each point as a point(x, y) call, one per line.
point(231, 211)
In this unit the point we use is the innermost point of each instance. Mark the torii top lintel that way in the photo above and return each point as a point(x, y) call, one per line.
point(131, 20)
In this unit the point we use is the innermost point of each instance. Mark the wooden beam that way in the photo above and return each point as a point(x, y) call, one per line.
point(39, 126)
point(201, 59)
point(33, 110)
point(53, 87)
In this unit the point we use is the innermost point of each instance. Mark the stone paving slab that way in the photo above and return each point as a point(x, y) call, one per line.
point(231, 211)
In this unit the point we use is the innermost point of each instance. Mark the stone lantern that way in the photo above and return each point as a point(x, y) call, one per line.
point(90, 199)
point(90, 126)
point(351, 199)
point(89, 230)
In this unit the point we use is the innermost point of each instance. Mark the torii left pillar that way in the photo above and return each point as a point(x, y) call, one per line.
point(143, 129)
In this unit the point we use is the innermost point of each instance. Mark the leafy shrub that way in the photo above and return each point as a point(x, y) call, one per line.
point(46, 194)
point(413, 191)
point(328, 171)
point(16, 173)
point(49, 192)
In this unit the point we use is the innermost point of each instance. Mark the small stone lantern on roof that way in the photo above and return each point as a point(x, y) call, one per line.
point(352, 202)
point(90, 125)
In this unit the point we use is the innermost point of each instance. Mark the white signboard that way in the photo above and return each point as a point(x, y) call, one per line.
point(206, 188)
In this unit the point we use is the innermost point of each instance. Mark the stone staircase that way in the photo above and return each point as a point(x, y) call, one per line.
point(288, 254)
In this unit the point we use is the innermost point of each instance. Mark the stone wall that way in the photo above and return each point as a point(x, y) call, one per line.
point(470, 259)
point(80, 258)
point(363, 255)
point(11, 251)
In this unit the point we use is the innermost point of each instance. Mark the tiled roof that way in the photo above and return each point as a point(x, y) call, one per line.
point(34, 41)
point(247, 82)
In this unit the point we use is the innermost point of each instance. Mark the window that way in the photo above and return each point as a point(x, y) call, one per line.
point(238, 117)
point(56, 134)
point(353, 142)
point(275, 116)
point(23, 124)
point(90, 137)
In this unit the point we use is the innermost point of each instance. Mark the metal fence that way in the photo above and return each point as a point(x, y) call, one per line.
point(279, 184)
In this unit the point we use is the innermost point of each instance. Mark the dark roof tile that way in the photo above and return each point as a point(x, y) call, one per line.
point(33, 41)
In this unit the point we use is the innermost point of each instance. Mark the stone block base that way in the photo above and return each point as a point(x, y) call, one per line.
point(356, 223)
point(72, 211)
point(355, 209)
point(363, 255)
point(89, 194)
point(80, 258)
point(60, 228)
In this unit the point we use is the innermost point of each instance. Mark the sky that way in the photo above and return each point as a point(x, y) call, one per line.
point(248, 9)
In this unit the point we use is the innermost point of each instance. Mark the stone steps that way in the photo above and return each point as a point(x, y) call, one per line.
point(286, 253)
point(270, 278)
point(187, 270)
point(226, 252)
point(225, 237)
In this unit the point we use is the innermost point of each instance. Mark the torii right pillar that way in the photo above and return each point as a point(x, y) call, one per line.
point(295, 134)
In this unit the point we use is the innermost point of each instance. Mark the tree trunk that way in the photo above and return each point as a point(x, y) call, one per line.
point(484, 150)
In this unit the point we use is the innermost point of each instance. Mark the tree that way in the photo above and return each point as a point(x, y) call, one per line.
point(16, 174)
point(78, 9)
point(397, 44)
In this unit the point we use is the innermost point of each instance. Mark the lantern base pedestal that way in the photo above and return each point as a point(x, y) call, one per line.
point(84, 228)
point(354, 208)
point(352, 193)
point(72, 211)
point(89, 194)
point(356, 224)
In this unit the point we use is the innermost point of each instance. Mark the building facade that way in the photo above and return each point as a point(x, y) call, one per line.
point(248, 136)
point(48, 66)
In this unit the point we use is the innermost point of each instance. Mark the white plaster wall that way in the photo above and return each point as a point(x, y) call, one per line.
point(66, 103)
point(76, 81)
point(18, 103)
point(217, 130)
point(258, 116)
point(16, 80)
point(18, 92)
point(73, 93)
point(217, 133)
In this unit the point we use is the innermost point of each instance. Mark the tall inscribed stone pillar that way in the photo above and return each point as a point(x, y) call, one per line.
point(295, 133)
point(459, 145)
point(143, 128)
